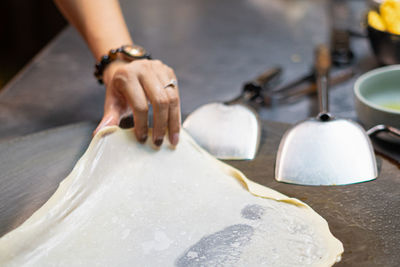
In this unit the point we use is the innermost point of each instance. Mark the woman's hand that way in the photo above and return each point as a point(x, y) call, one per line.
point(131, 87)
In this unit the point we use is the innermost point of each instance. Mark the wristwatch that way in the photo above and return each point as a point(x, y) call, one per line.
point(128, 52)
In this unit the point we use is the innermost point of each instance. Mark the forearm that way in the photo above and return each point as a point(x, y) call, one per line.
point(100, 22)
point(129, 85)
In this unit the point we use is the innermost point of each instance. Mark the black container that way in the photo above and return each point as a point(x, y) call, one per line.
point(386, 46)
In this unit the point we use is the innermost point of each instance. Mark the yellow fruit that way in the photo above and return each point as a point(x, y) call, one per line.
point(394, 4)
point(389, 17)
point(390, 12)
point(394, 28)
point(375, 21)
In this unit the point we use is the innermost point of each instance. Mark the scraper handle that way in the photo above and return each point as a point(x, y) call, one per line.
point(269, 77)
point(252, 90)
point(322, 66)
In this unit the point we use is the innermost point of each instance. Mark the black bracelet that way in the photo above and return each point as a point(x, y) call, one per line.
point(126, 50)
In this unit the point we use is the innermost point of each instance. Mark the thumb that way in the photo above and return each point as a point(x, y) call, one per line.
point(109, 119)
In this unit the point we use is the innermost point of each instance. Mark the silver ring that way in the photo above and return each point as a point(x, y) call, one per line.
point(173, 83)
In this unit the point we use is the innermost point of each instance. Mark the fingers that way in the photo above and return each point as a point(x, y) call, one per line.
point(174, 112)
point(138, 83)
point(135, 96)
point(108, 119)
point(114, 109)
point(159, 99)
point(174, 122)
point(112, 114)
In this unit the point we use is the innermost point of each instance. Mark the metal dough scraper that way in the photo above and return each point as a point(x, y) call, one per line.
point(325, 150)
point(231, 130)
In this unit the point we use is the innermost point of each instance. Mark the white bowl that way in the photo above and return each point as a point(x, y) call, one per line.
point(377, 97)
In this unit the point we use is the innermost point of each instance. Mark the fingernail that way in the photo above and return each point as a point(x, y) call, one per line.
point(158, 142)
point(175, 139)
point(143, 139)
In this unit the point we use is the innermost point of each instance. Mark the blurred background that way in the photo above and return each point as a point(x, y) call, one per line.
point(25, 28)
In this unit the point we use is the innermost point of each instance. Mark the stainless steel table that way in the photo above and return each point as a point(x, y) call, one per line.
point(214, 46)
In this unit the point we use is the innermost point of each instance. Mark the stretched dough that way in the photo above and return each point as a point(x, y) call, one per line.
point(126, 204)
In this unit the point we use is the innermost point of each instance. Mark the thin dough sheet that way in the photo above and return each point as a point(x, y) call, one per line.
point(126, 204)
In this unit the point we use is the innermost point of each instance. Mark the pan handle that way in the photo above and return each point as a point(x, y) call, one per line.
point(322, 65)
point(383, 128)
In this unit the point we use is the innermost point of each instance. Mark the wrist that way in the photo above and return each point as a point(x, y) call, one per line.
point(126, 52)
point(109, 71)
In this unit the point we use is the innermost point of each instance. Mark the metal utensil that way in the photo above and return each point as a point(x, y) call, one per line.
point(231, 130)
point(325, 150)
point(386, 146)
point(305, 85)
point(385, 129)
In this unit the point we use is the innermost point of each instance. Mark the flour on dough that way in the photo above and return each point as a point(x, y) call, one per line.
point(126, 204)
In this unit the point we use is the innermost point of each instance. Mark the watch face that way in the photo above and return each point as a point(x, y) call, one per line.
point(135, 51)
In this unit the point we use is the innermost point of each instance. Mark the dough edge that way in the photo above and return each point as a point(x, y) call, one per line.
point(334, 246)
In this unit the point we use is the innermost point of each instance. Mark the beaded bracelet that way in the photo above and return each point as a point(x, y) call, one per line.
point(130, 53)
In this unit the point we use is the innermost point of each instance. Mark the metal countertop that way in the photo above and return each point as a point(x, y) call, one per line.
point(214, 47)
point(363, 216)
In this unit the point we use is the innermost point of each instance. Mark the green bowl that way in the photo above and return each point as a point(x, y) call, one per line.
point(377, 97)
